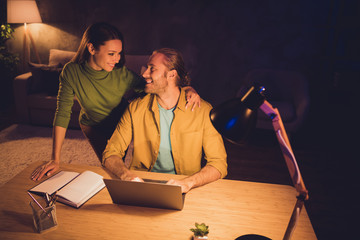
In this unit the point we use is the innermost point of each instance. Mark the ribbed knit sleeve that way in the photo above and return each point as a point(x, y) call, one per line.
point(65, 99)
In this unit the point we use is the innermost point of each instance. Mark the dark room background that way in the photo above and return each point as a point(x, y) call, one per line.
point(222, 41)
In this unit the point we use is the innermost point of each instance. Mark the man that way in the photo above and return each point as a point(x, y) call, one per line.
point(167, 137)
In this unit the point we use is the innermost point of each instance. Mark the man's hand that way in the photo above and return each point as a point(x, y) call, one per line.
point(185, 186)
point(128, 175)
point(137, 179)
point(48, 168)
point(192, 98)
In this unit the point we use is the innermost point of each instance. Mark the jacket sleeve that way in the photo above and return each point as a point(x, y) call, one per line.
point(213, 145)
point(121, 138)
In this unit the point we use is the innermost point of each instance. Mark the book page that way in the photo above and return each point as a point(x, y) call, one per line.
point(55, 182)
point(82, 188)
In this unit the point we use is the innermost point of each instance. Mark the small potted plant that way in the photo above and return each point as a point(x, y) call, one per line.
point(200, 231)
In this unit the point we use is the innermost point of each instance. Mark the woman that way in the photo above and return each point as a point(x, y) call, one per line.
point(97, 77)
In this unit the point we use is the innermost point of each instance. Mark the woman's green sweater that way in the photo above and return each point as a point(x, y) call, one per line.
point(98, 92)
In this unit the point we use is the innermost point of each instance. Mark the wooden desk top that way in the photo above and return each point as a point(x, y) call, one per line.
point(230, 208)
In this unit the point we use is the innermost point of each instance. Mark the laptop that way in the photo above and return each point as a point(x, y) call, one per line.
point(150, 193)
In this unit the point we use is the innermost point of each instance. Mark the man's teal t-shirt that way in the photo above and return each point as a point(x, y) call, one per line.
point(165, 162)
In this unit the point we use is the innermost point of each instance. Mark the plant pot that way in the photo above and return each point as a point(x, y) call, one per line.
point(200, 238)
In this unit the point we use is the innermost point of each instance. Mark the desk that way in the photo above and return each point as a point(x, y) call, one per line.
point(230, 208)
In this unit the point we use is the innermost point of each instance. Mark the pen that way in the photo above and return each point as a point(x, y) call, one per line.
point(37, 203)
point(53, 199)
point(47, 198)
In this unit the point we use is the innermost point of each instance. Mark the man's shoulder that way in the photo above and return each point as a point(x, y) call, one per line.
point(204, 106)
point(205, 103)
point(141, 102)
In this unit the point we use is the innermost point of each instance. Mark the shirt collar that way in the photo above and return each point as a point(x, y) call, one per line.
point(180, 105)
point(182, 100)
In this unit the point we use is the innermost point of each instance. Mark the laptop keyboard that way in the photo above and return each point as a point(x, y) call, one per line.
point(155, 181)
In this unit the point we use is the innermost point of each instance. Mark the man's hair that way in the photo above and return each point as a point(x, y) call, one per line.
point(98, 34)
point(174, 61)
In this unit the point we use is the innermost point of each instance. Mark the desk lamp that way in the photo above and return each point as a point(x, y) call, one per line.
point(24, 11)
point(235, 119)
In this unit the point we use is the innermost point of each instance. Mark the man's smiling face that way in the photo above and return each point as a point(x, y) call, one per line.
point(156, 74)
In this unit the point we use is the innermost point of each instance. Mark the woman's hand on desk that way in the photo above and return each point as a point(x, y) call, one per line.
point(48, 168)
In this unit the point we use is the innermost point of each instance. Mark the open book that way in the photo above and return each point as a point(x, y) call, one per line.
point(73, 188)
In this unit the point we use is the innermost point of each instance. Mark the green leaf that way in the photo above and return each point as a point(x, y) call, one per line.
point(200, 229)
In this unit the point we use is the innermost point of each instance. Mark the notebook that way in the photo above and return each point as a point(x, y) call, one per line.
point(151, 193)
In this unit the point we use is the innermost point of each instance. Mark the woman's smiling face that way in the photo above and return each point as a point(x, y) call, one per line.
point(106, 56)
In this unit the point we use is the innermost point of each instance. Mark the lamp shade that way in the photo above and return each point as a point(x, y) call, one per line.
point(236, 118)
point(22, 11)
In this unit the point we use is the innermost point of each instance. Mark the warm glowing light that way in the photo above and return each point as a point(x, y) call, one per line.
point(22, 11)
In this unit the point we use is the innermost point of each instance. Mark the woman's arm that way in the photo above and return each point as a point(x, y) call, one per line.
point(62, 117)
point(53, 165)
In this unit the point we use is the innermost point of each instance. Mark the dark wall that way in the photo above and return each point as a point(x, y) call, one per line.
point(220, 40)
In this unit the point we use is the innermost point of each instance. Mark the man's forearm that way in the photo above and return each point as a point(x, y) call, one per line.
point(206, 175)
point(117, 166)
